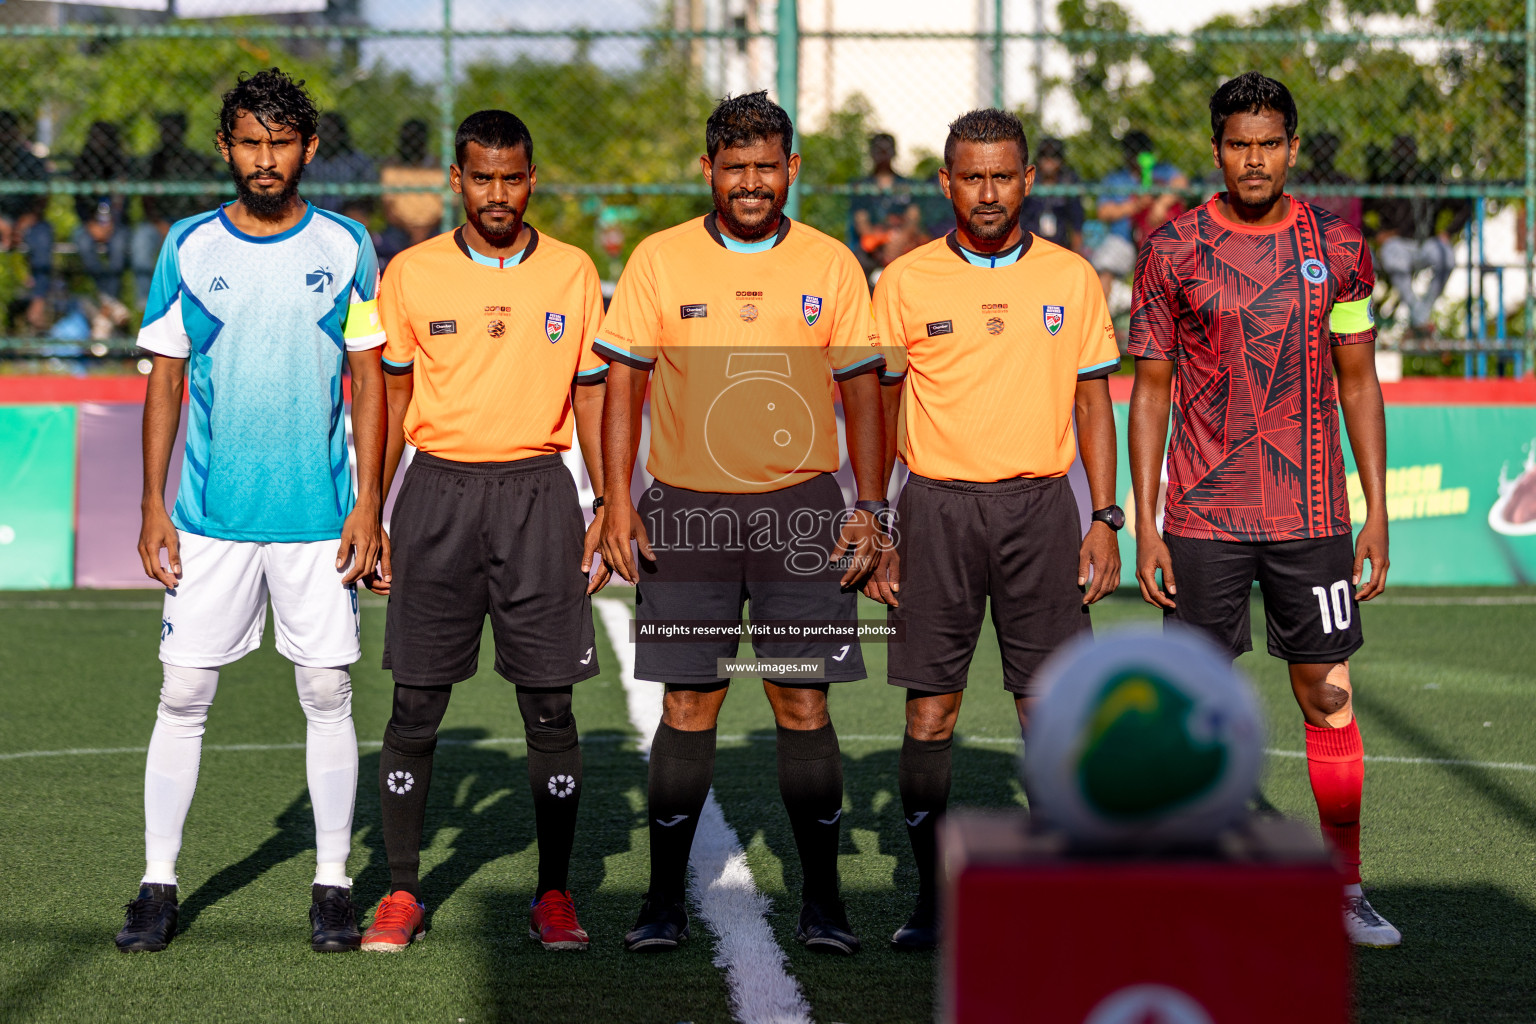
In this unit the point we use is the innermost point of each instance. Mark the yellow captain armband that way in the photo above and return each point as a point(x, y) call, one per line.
point(1352, 317)
point(363, 320)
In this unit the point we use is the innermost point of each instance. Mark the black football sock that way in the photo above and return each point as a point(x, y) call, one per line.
point(405, 773)
point(682, 768)
point(923, 775)
point(811, 783)
point(554, 776)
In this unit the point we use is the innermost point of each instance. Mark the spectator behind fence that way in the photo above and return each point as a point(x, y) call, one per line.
point(21, 216)
point(1131, 217)
point(172, 161)
point(103, 234)
point(337, 163)
point(1057, 219)
point(1322, 149)
point(884, 226)
point(1414, 233)
point(413, 216)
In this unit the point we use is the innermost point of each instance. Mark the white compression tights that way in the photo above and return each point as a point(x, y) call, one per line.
point(175, 748)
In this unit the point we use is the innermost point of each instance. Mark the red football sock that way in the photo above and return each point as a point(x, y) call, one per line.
point(1336, 766)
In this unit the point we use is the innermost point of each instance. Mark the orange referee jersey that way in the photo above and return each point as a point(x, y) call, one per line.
point(993, 356)
point(493, 349)
point(743, 348)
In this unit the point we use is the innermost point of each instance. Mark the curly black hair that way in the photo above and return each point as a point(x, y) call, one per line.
point(989, 125)
point(1251, 93)
point(274, 99)
point(745, 119)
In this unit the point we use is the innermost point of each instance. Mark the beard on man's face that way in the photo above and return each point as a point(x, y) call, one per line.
point(268, 203)
point(754, 225)
point(499, 233)
point(1255, 191)
point(991, 231)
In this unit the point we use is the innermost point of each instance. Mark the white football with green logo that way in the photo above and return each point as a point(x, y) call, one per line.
point(1143, 738)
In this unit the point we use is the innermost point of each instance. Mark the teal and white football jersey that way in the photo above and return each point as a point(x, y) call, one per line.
point(264, 324)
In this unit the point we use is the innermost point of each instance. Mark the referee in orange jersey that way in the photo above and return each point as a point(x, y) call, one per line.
point(1006, 337)
point(489, 361)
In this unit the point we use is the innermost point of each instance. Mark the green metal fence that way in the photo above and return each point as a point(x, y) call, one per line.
point(617, 115)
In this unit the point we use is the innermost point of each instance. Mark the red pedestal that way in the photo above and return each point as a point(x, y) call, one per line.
point(1251, 937)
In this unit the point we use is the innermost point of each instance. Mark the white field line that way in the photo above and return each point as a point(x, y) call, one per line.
point(724, 894)
point(506, 741)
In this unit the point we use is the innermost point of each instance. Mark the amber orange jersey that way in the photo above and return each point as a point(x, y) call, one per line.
point(493, 349)
point(992, 348)
point(743, 349)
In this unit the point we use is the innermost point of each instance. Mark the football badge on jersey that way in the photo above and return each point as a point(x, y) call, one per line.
point(554, 326)
point(1314, 271)
point(810, 308)
point(1055, 316)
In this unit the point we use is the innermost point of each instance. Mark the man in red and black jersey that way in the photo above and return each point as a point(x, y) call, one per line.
point(1254, 311)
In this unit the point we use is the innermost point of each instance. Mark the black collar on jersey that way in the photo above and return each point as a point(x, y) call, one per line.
point(713, 228)
point(1022, 246)
point(533, 243)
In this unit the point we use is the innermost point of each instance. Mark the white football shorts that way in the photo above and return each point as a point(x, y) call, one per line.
point(218, 612)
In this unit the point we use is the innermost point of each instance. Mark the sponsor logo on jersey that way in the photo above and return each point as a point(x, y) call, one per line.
point(319, 279)
point(443, 327)
point(695, 311)
point(218, 285)
point(554, 326)
point(1314, 271)
point(940, 327)
point(496, 328)
point(748, 313)
point(166, 629)
point(995, 325)
point(810, 308)
point(1054, 316)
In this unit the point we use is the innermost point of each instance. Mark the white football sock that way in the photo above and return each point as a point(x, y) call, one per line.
point(330, 759)
point(1353, 890)
point(170, 770)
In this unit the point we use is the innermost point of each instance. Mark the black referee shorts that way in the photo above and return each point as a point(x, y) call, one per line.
point(1014, 542)
point(1310, 613)
point(717, 552)
point(498, 538)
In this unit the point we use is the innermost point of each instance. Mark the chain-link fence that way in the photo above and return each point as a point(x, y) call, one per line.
point(1418, 123)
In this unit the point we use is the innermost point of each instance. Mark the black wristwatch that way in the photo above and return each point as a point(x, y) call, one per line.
point(1112, 517)
point(598, 503)
point(874, 508)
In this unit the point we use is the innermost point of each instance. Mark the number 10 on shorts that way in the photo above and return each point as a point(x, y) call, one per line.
point(1338, 617)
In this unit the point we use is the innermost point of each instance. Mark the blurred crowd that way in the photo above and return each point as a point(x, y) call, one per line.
point(1412, 239)
point(85, 264)
point(84, 274)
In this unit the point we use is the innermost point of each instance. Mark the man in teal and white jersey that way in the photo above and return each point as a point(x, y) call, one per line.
point(257, 308)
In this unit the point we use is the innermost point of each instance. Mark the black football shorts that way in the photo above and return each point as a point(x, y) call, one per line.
point(498, 538)
point(716, 552)
point(961, 544)
point(1310, 612)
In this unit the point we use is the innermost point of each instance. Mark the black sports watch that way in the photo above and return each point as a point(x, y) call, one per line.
point(1112, 517)
point(875, 508)
point(598, 503)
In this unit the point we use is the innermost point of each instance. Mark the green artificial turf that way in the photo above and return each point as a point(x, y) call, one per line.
point(1450, 849)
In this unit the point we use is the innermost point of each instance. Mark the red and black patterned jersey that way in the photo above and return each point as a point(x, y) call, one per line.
point(1249, 315)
